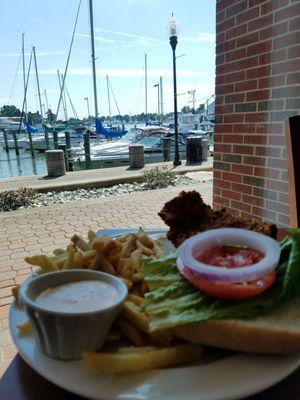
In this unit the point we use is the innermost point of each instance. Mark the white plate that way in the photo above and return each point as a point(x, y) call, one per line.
point(229, 377)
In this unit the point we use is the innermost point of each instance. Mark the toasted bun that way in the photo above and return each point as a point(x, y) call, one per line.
point(277, 332)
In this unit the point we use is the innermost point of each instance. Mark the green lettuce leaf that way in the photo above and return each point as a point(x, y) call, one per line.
point(173, 301)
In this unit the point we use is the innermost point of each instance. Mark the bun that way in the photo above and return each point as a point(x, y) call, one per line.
point(277, 332)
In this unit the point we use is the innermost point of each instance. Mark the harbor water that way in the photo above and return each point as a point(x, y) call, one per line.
point(22, 165)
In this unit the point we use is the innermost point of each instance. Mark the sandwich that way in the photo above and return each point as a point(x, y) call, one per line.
point(193, 308)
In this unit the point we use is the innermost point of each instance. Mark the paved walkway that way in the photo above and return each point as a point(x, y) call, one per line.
point(95, 177)
point(28, 232)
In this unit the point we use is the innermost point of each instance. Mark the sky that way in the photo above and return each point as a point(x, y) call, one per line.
point(125, 30)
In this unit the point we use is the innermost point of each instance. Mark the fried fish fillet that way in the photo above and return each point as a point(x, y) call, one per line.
point(187, 214)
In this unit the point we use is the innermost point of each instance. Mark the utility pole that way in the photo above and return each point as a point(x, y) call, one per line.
point(193, 101)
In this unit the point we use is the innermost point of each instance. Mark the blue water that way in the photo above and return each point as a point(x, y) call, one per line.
point(22, 165)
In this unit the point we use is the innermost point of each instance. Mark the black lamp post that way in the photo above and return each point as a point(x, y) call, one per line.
point(173, 30)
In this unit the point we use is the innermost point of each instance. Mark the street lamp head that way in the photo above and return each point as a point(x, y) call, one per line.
point(173, 27)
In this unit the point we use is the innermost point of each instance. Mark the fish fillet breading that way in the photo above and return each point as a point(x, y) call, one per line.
point(187, 214)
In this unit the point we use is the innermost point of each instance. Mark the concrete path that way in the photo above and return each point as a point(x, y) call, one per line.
point(40, 230)
point(94, 178)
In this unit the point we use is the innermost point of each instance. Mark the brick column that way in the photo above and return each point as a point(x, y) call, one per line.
point(257, 87)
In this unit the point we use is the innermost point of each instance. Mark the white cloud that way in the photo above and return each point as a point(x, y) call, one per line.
point(121, 73)
point(139, 38)
point(200, 37)
point(97, 38)
point(39, 54)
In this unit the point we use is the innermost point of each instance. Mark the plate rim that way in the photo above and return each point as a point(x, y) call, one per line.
point(243, 392)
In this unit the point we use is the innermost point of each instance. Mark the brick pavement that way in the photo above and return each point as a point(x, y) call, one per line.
point(26, 232)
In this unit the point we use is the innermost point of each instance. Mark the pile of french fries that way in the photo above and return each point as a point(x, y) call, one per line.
point(132, 347)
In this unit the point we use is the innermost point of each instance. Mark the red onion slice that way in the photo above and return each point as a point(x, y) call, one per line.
point(229, 236)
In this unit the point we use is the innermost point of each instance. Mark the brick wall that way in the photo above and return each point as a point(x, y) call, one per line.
point(257, 86)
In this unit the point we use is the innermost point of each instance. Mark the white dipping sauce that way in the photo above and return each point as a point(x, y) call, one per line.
point(81, 296)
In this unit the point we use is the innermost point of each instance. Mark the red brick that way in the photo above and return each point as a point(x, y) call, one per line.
point(258, 95)
point(247, 15)
point(261, 22)
point(276, 140)
point(224, 109)
point(255, 139)
point(237, 65)
point(293, 79)
point(233, 118)
point(277, 185)
point(283, 220)
point(242, 169)
point(273, 31)
point(241, 206)
point(222, 148)
point(271, 81)
point(276, 206)
point(226, 46)
point(294, 52)
point(267, 151)
point(223, 89)
point(222, 201)
point(236, 54)
point(235, 77)
point(266, 172)
point(222, 4)
point(258, 48)
point(235, 98)
point(238, 187)
point(233, 138)
point(253, 160)
point(231, 195)
point(287, 66)
point(236, 31)
point(237, 8)
point(258, 72)
point(269, 128)
point(287, 40)
point(294, 24)
point(244, 128)
point(220, 183)
point(272, 5)
point(232, 177)
point(274, 56)
point(256, 117)
point(256, 201)
point(276, 163)
point(288, 12)
point(217, 174)
point(284, 198)
point(245, 86)
point(247, 39)
point(224, 25)
point(243, 150)
point(263, 213)
point(220, 128)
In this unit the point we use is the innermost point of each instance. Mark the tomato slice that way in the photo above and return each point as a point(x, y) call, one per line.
point(231, 290)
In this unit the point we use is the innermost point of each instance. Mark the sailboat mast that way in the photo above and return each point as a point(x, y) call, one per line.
point(24, 78)
point(146, 100)
point(108, 95)
point(37, 82)
point(63, 96)
point(64, 99)
point(161, 99)
point(93, 57)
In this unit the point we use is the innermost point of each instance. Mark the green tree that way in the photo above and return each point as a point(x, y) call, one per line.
point(10, 111)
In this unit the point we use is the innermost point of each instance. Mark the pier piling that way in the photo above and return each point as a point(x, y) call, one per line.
point(55, 139)
point(46, 134)
point(166, 149)
point(55, 162)
point(5, 141)
point(30, 143)
point(194, 151)
point(87, 150)
point(14, 133)
point(63, 147)
point(136, 156)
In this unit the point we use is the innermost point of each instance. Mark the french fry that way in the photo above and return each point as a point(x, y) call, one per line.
point(91, 235)
point(127, 282)
point(24, 328)
point(128, 246)
point(132, 349)
point(133, 314)
point(59, 252)
point(80, 243)
point(136, 257)
point(100, 263)
point(137, 361)
point(43, 262)
point(136, 299)
point(144, 250)
point(130, 332)
point(99, 242)
point(89, 254)
point(69, 264)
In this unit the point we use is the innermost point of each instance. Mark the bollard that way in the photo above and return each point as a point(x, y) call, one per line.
point(69, 151)
point(55, 139)
point(55, 162)
point(46, 134)
point(16, 143)
point(167, 149)
point(193, 150)
point(87, 150)
point(68, 139)
point(63, 147)
point(205, 149)
point(30, 143)
point(5, 141)
point(136, 156)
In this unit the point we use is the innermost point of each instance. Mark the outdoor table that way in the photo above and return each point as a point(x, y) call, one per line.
point(21, 382)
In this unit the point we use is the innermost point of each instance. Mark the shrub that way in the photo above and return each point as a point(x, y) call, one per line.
point(157, 178)
point(14, 199)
